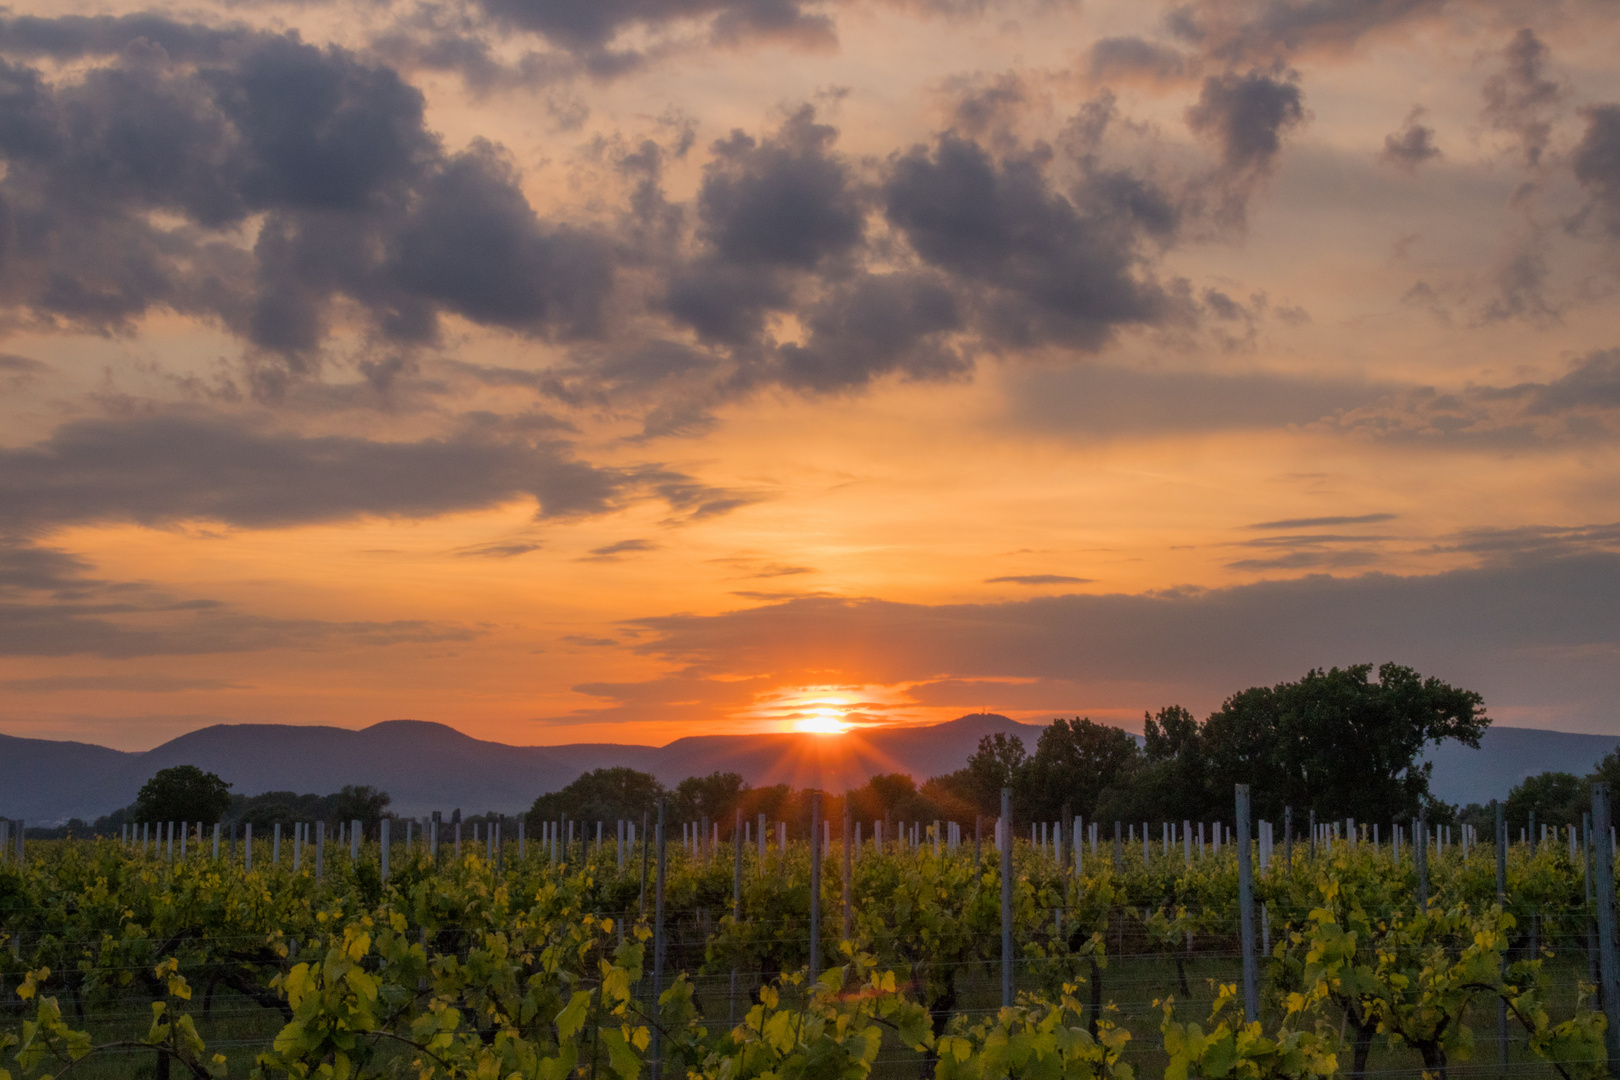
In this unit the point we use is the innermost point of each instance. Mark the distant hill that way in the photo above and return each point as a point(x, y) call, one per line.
point(1506, 756)
point(428, 766)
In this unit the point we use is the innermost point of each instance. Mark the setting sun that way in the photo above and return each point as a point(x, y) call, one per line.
point(822, 720)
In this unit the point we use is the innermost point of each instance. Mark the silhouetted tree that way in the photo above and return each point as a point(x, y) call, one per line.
point(182, 793)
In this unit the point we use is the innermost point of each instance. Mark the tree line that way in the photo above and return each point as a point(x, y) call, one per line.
point(1344, 742)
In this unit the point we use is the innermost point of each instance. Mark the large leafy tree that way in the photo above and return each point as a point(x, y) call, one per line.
point(1337, 741)
point(715, 797)
point(599, 795)
point(998, 762)
point(183, 793)
point(1074, 762)
point(1555, 798)
point(362, 803)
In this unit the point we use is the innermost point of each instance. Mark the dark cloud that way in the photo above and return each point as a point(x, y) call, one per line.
point(71, 37)
point(1045, 267)
point(356, 198)
point(787, 200)
point(1036, 579)
point(1321, 522)
point(1412, 145)
point(617, 551)
point(1519, 97)
point(1515, 631)
point(1246, 117)
point(1266, 31)
point(871, 326)
point(476, 246)
point(1107, 402)
point(1113, 58)
point(1596, 162)
point(591, 27)
point(155, 470)
point(144, 684)
point(499, 551)
point(1579, 406)
point(51, 606)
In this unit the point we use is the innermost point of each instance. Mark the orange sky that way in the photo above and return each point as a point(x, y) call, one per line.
point(569, 371)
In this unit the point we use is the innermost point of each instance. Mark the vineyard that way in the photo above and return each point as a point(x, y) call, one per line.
point(761, 954)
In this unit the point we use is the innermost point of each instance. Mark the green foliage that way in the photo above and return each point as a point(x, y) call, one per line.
point(1555, 798)
point(1035, 1040)
point(1074, 762)
point(599, 795)
point(183, 793)
point(1338, 742)
point(1234, 1048)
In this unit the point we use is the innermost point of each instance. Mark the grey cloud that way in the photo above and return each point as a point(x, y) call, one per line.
point(475, 246)
point(1596, 162)
point(1319, 522)
point(1247, 116)
point(1518, 97)
point(1048, 268)
point(1412, 145)
point(624, 546)
point(1535, 632)
point(357, 197)
point(1036, 579)
point(1102, 402)
point(144, 684)
point(499, 551)
point(51, 606)
point(787, 200)
point(1265, 31)
point(871, 326)
point(160, 469)
point(1128, 57)
point(590, 28)
point(71, 37)
point(1577, 406)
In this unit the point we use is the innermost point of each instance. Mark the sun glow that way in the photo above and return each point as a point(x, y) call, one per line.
point(821, 720)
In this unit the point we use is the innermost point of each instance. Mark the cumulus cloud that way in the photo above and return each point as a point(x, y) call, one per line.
point(354, 197)
point(1046, 268)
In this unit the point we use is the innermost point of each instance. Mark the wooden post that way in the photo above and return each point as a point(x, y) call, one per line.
point(815, 888)
point(1251, 977)
point(382, 839)
point(320, 847)
point(1501, 898)
point(736, 902)
point(643, 902)
point(247, 844)
point(1608, 961)
point(275, 844)
point(849, 868)
point(1288, 839)
point(1586, 875)
point(1420, 852)
point(1005, 831)
point(1119, 849)
point(658, 948)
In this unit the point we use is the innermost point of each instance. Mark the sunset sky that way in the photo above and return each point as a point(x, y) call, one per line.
point(615, 370)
